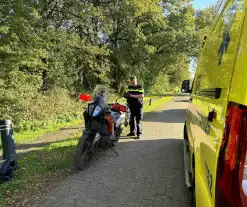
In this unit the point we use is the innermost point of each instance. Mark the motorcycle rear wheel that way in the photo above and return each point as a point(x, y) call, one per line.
point(82, 154)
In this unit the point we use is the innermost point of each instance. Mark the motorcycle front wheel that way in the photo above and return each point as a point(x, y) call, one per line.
point(83, 153)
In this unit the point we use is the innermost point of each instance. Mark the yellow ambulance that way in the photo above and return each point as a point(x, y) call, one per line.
point(215, 132)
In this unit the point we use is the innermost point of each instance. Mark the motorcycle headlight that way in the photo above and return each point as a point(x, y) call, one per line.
point(97, 110)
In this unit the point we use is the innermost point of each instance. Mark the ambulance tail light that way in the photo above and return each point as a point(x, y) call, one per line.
point(231, 178)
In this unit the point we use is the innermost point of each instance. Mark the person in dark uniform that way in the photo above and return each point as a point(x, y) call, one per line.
point(135, 101)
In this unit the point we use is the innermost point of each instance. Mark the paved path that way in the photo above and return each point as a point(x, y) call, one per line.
point(149, 172)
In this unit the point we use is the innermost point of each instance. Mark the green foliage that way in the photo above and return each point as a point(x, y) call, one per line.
point(204, 19)
point(22, 103)
point(161, 85)
point(50, 51)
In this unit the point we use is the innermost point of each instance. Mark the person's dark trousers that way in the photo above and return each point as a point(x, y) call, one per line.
point(136, 116)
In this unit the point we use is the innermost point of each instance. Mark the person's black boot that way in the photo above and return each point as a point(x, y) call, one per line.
point(139, 136)
point(131, 134)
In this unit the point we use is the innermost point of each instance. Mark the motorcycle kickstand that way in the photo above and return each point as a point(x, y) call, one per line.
point(115, 151)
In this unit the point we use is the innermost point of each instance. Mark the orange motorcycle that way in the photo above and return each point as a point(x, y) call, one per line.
point(103, 125)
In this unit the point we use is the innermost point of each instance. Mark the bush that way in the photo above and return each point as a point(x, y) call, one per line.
point(161, 86)
point(23, 103)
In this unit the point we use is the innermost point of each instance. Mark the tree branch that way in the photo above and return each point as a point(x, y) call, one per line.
point(52, 10)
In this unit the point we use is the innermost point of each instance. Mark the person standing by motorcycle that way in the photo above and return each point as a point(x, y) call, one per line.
point(135, 100)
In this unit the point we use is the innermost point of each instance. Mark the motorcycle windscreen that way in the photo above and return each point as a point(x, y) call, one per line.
point(100, 93)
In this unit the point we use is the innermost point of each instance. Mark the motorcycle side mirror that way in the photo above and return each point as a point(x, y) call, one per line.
point(85, 97)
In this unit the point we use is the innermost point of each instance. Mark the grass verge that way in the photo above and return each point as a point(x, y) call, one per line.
point(156, 104)
point(39, 169)
point(31, 136)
